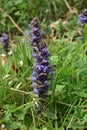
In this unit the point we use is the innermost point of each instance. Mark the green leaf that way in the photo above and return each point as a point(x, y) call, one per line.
point(59, 88)
point(85, 118)
point(2, 93)
point(20, 114)
point(15, 125)
point(85, 33)
point(23, 127)
point(50, 115)
point(81, 94)
point(27, 120)
point(44, 128)
point(79, 112)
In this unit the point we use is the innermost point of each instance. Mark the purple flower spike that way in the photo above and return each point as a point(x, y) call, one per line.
point(42, 69)
point(83, 18)
point(5, 40)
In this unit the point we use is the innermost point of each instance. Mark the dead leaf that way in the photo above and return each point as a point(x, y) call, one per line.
point(15, 68)
point(3, 60)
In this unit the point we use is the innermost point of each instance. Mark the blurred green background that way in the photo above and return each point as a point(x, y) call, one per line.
point(22, 11)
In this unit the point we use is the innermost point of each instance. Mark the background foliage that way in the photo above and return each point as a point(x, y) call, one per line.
point(66, 107)
point(22, 11)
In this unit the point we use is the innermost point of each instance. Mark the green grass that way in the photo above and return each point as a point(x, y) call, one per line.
point(66, 107)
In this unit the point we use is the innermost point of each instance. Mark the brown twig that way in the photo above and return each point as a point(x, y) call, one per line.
point(15, 24)
point(68, 6)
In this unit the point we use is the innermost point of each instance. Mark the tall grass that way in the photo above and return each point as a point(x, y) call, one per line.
point(66, 107)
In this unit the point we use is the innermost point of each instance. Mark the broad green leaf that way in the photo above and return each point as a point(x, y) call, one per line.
point(15, 125)
point(59, 88)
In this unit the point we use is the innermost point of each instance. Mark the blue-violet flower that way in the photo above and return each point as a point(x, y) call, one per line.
point(83, 18)
point(42, 70)
point(5, 40)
